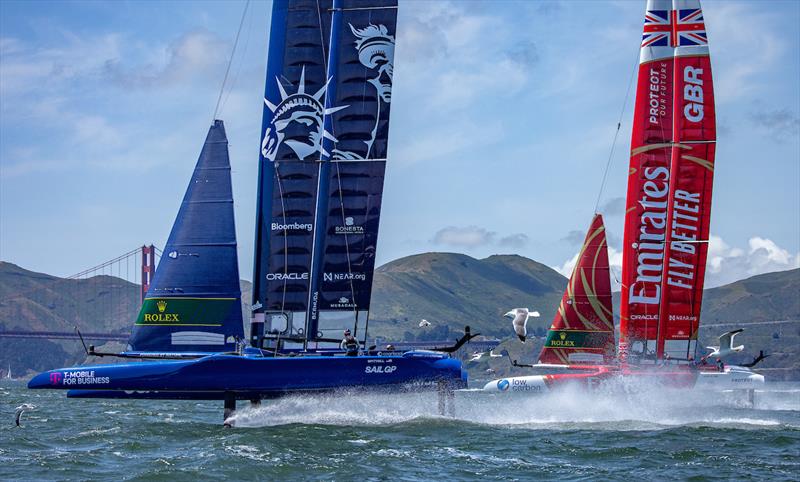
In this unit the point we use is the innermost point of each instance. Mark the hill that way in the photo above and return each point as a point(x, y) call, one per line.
point(450, 290)
point(454, 290)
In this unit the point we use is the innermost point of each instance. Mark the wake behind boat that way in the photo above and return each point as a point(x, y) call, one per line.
point(665, 242)
point(321, 168)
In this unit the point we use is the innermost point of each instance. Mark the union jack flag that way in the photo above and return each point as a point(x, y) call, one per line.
point(674, 28)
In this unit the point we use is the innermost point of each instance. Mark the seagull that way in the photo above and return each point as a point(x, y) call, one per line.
point(20, 410)
point(476, 356)
point(519, 317)
point(493, 355)
point(424, 323)
point(726, 347)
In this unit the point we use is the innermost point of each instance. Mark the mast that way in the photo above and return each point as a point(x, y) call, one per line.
point(583, 327)
point(669, 185)
point(321, 211)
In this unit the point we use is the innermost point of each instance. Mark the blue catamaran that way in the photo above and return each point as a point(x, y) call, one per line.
point(321, 169)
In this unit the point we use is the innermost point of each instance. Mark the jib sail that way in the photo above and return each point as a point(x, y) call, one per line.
point(583, 328)
point(193, 303)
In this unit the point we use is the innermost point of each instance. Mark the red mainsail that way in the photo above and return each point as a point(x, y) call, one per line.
point(583, 328)
point(669, 185)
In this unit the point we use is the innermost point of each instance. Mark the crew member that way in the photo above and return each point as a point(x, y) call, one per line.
point(349, 344)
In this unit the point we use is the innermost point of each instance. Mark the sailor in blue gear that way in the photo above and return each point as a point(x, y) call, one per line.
point(349, 344)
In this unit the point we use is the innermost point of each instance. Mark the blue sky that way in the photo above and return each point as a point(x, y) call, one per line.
point(503, 117)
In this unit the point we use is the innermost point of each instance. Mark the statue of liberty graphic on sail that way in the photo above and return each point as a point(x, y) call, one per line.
point(303, 112)
point(376, 52)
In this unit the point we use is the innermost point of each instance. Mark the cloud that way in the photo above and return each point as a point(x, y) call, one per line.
point(727, 264)
point(613, 207)
point(782, 124)
point(468, 237)
point(517, 240)
point(26, 67)
point(190, 56)
point(574, 237)
point(748, 32)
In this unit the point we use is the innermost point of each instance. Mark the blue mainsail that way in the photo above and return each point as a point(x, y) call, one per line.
point(288, 163)
point(323, 154)
point(361, 65)
point(193, 304)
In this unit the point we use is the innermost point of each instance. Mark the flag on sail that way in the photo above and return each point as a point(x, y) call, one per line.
point(669, 185)
point(194, 301)
point(583, 327)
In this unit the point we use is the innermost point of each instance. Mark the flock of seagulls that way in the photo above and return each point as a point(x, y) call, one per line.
point(478, 355)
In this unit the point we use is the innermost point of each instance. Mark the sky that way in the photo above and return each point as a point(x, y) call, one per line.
point(503, 117)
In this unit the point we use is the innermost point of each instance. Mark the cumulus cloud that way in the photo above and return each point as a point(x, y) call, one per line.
point(727, 264)
point(468, 237)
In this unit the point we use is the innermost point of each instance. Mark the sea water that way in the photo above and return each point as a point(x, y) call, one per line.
point(356, 436)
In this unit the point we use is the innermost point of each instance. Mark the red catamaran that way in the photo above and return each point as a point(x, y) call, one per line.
point(666, 235)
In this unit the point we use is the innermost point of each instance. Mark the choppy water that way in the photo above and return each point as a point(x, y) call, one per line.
point(385, 437)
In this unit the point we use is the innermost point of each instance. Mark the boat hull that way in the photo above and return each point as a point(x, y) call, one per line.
point(732, 378)
point(253, 376)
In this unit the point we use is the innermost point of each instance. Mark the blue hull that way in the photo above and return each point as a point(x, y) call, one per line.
point(252, 377)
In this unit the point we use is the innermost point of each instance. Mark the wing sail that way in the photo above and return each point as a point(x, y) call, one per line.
point(669, 185)
point(354, 162)
point(291, 133)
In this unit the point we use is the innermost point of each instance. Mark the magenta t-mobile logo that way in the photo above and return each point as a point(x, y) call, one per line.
point(56, 377)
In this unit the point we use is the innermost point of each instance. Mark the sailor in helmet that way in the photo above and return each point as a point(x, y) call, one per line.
point(349, 344)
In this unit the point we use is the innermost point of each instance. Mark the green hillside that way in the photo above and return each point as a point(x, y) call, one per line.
point(450, 290)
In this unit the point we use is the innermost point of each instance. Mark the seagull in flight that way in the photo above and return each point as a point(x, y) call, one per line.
point(424, 323)
point(476, 356)
point(20, 410)
point(726, 347)
point(519, 319)
point(492, 354)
